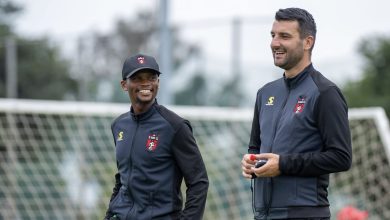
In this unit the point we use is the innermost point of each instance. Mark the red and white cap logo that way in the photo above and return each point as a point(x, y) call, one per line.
point(141, 60)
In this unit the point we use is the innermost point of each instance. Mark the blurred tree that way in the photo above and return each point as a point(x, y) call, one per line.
point(102, 55)
point(193, 94)
point(42, 72)
point(373, 89)
point(7, 10)
point(230, 94)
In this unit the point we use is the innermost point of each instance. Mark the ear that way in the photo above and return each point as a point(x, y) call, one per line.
point(308, 42)
point(124, 85)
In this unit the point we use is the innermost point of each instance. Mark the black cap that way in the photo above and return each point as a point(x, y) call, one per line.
point(139, 62)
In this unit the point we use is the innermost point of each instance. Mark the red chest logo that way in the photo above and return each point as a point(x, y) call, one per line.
point(300, 104)
point(152, 142)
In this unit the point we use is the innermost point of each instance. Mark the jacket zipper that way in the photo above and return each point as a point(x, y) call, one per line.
point(131, 166)
point(131, 153)
point(268, 197)
point(280, 113)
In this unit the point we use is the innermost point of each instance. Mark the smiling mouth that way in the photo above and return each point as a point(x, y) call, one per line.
point(145, 91)
point(279, 53)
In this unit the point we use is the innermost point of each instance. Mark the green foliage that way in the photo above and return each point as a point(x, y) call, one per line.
point(374, 87)
point(103, 54)
point(7, 10)
point(193, 94)
point(42, 72)
point(230, 94)
point(8, 7)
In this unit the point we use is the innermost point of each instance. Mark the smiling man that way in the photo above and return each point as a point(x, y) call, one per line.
point(300, 130)
point(155, 150)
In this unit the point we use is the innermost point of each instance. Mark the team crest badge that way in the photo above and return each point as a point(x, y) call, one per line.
point(152, 142)
point(300, 104)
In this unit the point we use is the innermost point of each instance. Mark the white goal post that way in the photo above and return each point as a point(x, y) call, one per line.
point(57, 160)
point(377, 114)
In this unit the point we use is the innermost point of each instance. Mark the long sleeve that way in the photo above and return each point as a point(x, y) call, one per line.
point(254, 141)
point(117, 185)
point(114, 193)
point(332, 119)
point(190, 162)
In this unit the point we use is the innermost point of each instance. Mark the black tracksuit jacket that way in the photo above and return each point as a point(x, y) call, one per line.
point(304, 120)
point(155, 151)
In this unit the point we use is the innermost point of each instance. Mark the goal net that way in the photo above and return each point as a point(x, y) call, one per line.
point(57, 160)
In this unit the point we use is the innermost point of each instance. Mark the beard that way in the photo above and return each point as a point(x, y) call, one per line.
point(291, 58)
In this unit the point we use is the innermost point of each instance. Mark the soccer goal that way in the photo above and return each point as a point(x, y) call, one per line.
point(57, 160)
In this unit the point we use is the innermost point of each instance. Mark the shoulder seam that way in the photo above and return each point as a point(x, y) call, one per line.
point(119, 117)
point(175, 121)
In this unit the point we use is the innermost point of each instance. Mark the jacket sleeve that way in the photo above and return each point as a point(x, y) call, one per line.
point(190, 163)
point(117, 185)
point(114, 193)
point(254, 141)
point(331, 113)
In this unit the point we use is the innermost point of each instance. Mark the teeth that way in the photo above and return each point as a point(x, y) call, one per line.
point(145, 91)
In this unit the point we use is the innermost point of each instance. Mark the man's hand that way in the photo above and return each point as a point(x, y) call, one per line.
point(269, 169)
point(247, 163)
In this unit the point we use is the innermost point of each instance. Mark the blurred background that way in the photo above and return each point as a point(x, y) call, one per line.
point(60, 68)
point(211, 52)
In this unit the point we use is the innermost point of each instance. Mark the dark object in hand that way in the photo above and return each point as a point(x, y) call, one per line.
point(260, 163)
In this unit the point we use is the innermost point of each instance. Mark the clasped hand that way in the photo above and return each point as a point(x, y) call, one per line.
point(269, 169)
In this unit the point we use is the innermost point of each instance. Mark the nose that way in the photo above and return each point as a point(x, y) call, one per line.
point(275, 42)
point(145, 80)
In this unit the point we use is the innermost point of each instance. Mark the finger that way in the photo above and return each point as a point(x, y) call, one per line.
point(261, 171)
point(247, 169)
point(265, 156)
point(247, 161)
point(248, 176)
point(246, 164)
point(249, 173)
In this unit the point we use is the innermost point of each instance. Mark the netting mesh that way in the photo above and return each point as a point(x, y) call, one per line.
point(366, 184)
point(57, 161)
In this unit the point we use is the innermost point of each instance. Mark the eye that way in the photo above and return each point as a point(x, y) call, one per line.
point(135, 78)
point(285, 36)
point(153, 78)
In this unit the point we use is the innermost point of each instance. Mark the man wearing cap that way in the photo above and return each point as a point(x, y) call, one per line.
point(155, 150)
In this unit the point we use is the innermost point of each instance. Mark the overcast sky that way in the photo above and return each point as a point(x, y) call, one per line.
point(341, 25)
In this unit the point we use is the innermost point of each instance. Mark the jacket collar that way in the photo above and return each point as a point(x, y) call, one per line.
point(291, 83)
point(144, 115)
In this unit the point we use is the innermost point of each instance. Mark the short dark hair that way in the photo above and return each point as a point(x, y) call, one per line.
point(307, 25)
